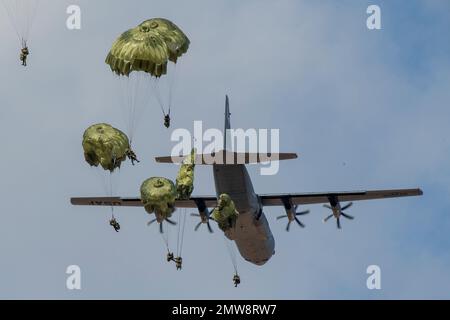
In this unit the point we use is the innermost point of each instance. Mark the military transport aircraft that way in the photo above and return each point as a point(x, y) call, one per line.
point(252, 233)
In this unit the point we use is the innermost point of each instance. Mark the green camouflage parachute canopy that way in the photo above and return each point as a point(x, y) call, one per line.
point(106, 146)
point(225, 214)
point(176, 41)
point(158, 196)
point(185, 178)
point(148, 48)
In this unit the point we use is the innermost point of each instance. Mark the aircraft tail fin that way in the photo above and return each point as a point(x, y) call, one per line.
point(226, 157)
point(227, 122)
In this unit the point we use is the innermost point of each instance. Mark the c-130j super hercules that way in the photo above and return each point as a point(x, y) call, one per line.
point(251, 231)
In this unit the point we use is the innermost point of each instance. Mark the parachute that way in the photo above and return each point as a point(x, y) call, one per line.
point(148, 48)
point(106, 146)
point(185, 178)
point(21, 14)
point(144, 52)
point(225, 214)
point(158, 196)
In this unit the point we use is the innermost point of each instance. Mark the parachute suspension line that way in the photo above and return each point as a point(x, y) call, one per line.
point(182, 232)
point(232, 252)
point(10, 10)
point(132, 89)
point(30, 16)
point(100, 175)
point(127, 103)
point(133, 108)
point(112, 184)
point(155, 88)
point(11, 18)
point(123, 84)
point(111, 192)
point(21, 13)
point(178, 235)
point(104, 178)
point(172, 80)
point(165, 236)
point(181, 228)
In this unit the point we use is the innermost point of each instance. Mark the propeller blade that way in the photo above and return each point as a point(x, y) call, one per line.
point(299, 223)
point(347, 206)
point(327, 206)
point(161, 230)
point(281, 217)
point(328, 218)
point(198, 226)
point(151, 222)
point(209, 228)
point(349, 217)
point(288, 226)
point(171, 222)
point(302, 213)
point(338, 221)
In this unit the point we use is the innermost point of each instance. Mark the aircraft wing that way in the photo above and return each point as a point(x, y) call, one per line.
point(316, 198)
point(194, 202)
point(266, 200)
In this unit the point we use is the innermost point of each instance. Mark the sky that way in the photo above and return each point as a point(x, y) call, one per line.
point(364, 109)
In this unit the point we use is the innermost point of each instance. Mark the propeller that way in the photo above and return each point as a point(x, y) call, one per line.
point(161, 230)
point(201, 222)
point(342, 213)
point(302, 213)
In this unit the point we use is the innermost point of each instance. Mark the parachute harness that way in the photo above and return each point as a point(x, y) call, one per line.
point(113, 222)
point(132, 156)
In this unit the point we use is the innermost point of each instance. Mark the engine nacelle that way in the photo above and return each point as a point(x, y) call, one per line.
point(291, 213)
point(203, 214)
point(203, 211)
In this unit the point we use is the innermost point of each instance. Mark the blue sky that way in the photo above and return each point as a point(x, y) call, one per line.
point(339, 93)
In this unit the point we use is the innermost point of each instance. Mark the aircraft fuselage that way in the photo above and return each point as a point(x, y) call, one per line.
point(252, 234)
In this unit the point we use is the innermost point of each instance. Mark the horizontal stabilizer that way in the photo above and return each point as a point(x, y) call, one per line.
point(231, 158)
